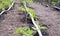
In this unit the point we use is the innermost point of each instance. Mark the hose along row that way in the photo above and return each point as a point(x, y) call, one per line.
point(8, 8)
point(38, 30)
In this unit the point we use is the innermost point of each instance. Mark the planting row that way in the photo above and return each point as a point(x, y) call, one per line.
point(30, 15)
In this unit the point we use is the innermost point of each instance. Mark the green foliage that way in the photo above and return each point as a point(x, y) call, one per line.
point(27, 1)
point(54, 2)
point(4, 3)
point(21, 8)
point(41, 27)
point(1, 6)
point(25, 31)
point(29, 10)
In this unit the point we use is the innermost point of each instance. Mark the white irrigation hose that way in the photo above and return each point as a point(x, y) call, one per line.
point(8, 8)
point(2, 12)
point(38, 30)
point(11, 6)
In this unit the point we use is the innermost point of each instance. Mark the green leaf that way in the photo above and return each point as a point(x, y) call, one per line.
point(27, 1)
point(18, 30)
point(22, 8)
point(1, 6)
point(4, 3)
point(30, 32)
point(25, 31)
point(42, 28)
point(29, 10)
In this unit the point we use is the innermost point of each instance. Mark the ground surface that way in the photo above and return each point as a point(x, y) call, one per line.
point(49, 17)
point(10, 21)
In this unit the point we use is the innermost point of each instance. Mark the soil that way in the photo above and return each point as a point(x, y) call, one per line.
point(12, 20)
point(47, 16)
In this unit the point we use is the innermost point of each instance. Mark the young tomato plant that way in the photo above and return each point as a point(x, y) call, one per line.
point(32, 15)
point(25, 31)
point(29, 10)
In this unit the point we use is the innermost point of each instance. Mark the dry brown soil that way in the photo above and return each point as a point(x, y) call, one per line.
point(10, 21)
